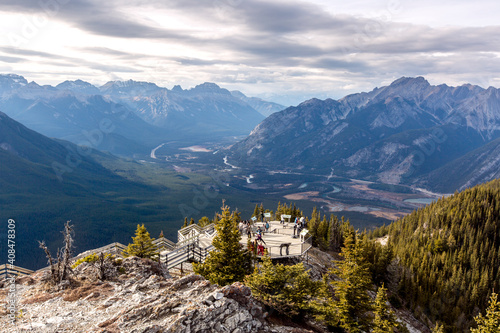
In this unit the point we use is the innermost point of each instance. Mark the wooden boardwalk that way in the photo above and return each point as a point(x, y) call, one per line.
point(196, 243)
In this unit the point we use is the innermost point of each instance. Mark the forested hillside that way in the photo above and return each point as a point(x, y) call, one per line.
point(450, 251)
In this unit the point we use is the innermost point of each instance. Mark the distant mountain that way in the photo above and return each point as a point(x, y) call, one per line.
point(74, 112)
point(263, 107)
point(129, 89)
point(141, 114)
point(204, 111)
point(394, 134)
point(79, 87)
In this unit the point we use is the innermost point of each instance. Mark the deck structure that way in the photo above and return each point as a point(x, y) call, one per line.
point(195, 243)
point(280, 241)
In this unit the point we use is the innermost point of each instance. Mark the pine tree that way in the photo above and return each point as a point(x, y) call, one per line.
point(438, 328)
point(278, 211)
point(334, 234)
point(204, 221)
point(385, 320)
point(287, 289)
point(142, 246)
point(256, 211)
point(353, 305)
point(313, 225)
point(322, 234)
point(491, 322)
point(228, 262)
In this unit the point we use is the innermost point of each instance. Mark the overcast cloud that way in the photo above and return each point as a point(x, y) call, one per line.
point(281, 50)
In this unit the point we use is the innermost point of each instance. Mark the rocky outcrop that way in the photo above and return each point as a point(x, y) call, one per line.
point(143, 299)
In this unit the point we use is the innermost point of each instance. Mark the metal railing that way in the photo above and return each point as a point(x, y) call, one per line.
point(288, 249)
point(306, 245)
point(186, 253)
point(192, 232)
point(12, 270)
point(164, 243)
point(113, 248)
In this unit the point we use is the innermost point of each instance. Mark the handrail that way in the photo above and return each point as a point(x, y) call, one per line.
point(306, 245)
point(7, 270)
point(113, 248)
point(199, 230)
point(186, 253)
point(164, 242)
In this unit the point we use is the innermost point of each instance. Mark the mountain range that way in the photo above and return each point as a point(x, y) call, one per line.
point(410, 132)
point(128, 117)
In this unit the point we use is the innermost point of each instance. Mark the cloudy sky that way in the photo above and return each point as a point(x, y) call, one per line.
point(284, 51)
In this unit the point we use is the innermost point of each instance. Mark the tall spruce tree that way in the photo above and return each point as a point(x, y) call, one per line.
point(385, 320)
point(256, 211)
point(229, 261)
point(491, 322)
point(354, 305)
point(288, 289)
point(142, 246)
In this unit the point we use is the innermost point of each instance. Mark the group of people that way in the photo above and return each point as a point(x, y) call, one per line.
point(245, 227)
point(298, 225)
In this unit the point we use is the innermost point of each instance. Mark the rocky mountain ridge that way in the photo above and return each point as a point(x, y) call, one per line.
point(395, 134)
point(142, 115)
point(205, 109)
point(82, 118)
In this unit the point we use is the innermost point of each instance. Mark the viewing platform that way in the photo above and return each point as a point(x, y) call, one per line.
point(195, 243)
point(279, 241)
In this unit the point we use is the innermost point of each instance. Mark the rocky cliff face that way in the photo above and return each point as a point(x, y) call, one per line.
point(144, 299)
point(394, 134)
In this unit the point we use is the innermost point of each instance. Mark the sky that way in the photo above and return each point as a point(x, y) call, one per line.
point(283, 51)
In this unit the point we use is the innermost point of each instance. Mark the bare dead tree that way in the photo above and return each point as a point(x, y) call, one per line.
point(67, 252)
point(53, 270)
point(60, 270)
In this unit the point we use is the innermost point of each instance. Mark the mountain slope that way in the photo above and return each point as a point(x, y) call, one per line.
point(477, 166)
point(394, 134)
point(45, 182)
point(450, 254)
